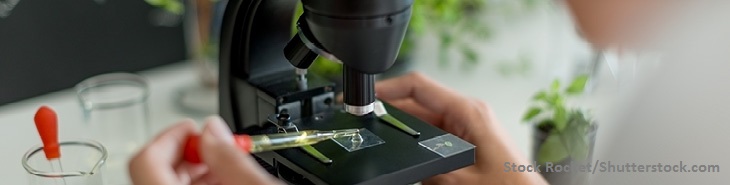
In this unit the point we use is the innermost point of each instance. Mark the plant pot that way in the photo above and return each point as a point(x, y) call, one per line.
point(574, 177)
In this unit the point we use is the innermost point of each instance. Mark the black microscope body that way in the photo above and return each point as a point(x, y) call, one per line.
point(263, 74)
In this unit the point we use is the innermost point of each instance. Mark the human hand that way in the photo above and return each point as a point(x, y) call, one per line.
point(464, 117)
point(160, 162)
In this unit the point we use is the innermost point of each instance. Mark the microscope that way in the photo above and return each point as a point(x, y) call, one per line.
point(265, 88)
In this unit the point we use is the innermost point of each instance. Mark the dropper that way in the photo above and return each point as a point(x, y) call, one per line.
point(46, 122)
point(269, 142)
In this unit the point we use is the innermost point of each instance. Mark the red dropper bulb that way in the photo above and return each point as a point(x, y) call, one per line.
point(46, 122)
point(192, 146)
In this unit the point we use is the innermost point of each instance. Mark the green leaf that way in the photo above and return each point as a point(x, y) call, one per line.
point(554, 100)
point(560, 118)
point(555, 86)
point(531, 113)
point(577, 86)
point(175, 7)
point(540, 96)
point(298, 11)
point(575, 135)
point(406, 47)
point(172, 6)
point(552, 150)
point(417, 24)
point(324, 67)
point(576, 139)
point(156, 2)
point(470, 56)
point(579, 121)
point(446, 39)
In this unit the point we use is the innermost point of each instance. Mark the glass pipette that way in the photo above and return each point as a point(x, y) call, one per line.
point(269, 142)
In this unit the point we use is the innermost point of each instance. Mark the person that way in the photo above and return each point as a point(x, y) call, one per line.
point(673, 118)
point(160, 162)
point(673, 128)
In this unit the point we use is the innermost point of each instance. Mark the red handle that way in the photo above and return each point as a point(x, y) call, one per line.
point(192, 145)
point(46, 123)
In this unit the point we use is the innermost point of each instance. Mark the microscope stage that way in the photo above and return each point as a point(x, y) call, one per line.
point(400, 160)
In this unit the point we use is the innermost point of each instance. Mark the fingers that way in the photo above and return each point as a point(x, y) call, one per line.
point(169, 144)
point(413, 108)
point(153, 164)
point(467, 175)
point(227, 162)
point(422, 90)
point(188, 173)
point(435, 104)
point(207, 179)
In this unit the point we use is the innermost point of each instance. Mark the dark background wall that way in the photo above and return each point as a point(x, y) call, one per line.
point(51, 45)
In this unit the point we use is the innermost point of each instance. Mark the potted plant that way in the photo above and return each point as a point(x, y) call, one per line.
point(563, 135)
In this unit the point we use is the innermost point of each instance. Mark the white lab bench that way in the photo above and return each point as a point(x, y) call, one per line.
point(544, 36)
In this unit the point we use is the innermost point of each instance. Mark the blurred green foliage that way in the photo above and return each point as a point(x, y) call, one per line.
point(567, 128)
point(455, 22)
point(520, 66)
point(446, 17)
point(173, 6)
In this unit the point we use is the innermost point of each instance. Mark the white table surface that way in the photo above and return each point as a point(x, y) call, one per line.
point(545, 36)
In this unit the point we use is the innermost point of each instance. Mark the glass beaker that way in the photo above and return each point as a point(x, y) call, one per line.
point(116, 112)
point(82, 163)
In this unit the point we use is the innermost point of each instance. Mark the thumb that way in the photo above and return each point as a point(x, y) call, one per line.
point(227, 163)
